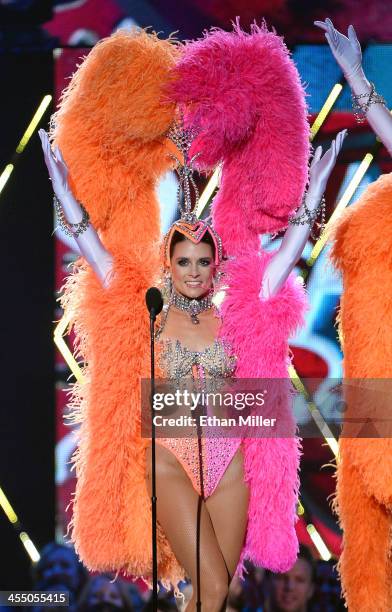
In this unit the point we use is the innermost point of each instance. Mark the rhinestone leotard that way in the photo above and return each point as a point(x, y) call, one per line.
point(214, 362)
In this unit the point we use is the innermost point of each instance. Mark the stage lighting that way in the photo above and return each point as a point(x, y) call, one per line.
point(318, 542)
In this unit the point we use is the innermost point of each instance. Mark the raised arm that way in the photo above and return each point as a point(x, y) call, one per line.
point(347, 52)
point(296, 236)
point(85, 235)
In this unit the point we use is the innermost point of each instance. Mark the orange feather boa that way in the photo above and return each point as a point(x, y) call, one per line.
point(362, 251)
point(111, 129)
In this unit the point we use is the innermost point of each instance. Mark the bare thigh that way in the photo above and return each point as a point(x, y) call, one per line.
point(177, 508)
point(227, 507)
point(228, 510)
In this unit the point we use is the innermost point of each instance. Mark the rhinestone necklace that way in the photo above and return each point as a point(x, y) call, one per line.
point(193, 307)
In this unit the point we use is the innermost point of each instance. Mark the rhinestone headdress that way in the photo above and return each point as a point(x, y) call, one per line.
point(189, 224)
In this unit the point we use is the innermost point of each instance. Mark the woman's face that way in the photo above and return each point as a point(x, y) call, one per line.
point(192, 268)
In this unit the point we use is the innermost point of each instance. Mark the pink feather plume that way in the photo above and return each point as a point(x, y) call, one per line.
point(244, 93)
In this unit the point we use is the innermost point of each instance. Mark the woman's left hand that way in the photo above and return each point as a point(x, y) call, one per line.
point(322, 166)
point(345, 49)
point(294, 240)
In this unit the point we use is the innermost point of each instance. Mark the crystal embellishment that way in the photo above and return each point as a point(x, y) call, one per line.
point(193, 306)
point(207, 367)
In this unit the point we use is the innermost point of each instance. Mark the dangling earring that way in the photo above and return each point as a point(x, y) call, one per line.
point(217, 281)
point(167, 285)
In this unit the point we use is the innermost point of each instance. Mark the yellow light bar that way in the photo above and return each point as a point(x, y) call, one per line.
point(328, 104)
point(29, 546)
point(324, 428)
point(344, 201)
point(33, 123)
point(315, 412)
point(8, 509)
point(5, 175)
point(316, 537)
point(208, 191)
point(58, 334)
point(318, 542)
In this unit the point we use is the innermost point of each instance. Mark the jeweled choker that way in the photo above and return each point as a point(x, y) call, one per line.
point(192, 306)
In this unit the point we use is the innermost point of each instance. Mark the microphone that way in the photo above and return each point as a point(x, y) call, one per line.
point(154, 301)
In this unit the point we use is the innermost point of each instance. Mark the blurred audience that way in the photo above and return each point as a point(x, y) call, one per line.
point(247, 595)
point(293, 590)
point(59, 569)
point(103, 593)
point(309, 586)
point(328, 596)
point(236, 598)
point(166, 602)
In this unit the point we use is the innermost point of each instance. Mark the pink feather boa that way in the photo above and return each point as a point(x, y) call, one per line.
point(244, 93)
point(258, 332)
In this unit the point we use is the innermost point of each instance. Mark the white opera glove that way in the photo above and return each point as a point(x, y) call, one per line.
point(88, 240)
point(347, 52)
point(296, 236)
point(345, 49)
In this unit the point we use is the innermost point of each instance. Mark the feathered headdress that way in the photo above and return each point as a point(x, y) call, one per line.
point(243, 94)
point(189, 224)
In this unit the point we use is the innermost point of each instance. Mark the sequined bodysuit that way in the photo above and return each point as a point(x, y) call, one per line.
point(203, 456)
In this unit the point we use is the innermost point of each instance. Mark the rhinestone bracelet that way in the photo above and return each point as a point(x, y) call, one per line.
point(67, 227)
point(310, 216)
point(361, 108)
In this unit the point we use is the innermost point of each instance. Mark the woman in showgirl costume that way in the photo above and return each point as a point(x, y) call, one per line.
point(361, 251)
point(117, 128)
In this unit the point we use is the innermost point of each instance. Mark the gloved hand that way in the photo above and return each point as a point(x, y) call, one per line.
point(347, 52)
point(296, 236)
point(346, 49)
point(322, 166)
point(88, 241)
point(58, 173)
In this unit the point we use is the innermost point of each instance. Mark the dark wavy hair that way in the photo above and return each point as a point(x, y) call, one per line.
point(178, 237)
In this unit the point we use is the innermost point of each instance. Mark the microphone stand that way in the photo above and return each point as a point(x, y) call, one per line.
point(153, 473)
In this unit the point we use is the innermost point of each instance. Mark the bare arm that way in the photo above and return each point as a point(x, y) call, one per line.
point(88, 241)
point(296, 236)
point(347, 52)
